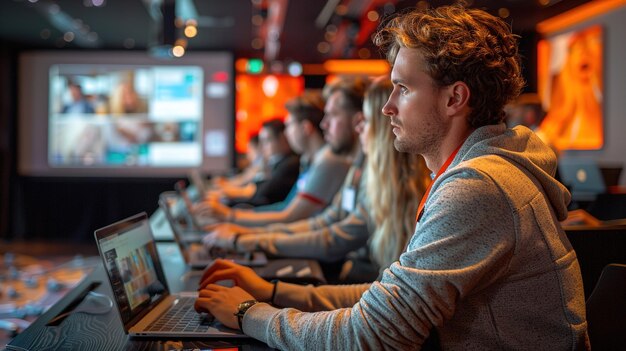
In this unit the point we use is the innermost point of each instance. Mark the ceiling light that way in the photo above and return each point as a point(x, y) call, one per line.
point(323, 47)
point(295, 69)
point(257, 43)
point(68, 36)
point(341, 10)
point(364, 53)
point(191, 31)
point(372, 16)
point(178, 51)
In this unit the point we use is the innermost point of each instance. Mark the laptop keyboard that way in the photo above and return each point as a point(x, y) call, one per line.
point(182, 318)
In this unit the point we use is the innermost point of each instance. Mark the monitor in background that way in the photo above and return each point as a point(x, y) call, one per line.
point(125, 114)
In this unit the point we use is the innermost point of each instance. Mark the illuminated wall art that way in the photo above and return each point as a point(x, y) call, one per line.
point(571, 89)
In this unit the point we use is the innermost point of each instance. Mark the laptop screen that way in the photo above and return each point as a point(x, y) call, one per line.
point(175, 210)
point(582, 176)
point(132, 264)
point(181, 189)
point(198, 181)
point(170, 202)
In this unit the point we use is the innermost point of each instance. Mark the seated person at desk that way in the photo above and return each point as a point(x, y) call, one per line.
point(283, 168)
point(488, 266)
point(324, 165)
point(253, 171)
point(382, 215)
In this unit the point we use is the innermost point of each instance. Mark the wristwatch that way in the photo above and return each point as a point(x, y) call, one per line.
point(242, 309)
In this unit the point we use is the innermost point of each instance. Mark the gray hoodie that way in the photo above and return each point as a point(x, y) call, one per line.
point(488, 267)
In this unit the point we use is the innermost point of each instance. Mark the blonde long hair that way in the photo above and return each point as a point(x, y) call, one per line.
point(395, 181)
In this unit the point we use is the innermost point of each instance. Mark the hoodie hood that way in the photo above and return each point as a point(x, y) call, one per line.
point(523, 148)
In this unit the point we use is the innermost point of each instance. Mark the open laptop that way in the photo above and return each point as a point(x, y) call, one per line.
point(582, 176)
point(197, 179)
point(143, 300)
point(194, 252)
point(198, 223)
point(177, 217)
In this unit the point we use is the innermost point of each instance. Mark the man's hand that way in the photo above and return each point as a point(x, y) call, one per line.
point(243, 277)
point(221, 237)
point(222, 303)
point(235, 228)
point(214, 209)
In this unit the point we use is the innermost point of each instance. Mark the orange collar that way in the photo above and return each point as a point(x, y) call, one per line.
point(420, 208)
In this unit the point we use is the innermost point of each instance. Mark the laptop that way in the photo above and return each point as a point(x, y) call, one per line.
point(198, 223)
point(177, 217)
point(198, 181)
point(582, 176)
point(143, 300)
point(193, 251)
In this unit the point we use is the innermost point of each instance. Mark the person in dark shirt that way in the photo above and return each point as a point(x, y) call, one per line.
point(283, 164)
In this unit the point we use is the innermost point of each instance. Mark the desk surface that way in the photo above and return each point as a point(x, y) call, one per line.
point(81, 331)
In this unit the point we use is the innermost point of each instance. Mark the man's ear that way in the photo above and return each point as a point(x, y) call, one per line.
point(458, 95)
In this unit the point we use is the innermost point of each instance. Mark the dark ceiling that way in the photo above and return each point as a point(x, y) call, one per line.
point(310, 30)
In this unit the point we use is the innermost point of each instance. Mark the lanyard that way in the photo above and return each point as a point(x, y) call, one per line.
point(443, 168)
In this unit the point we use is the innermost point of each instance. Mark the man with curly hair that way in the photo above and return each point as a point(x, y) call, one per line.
point(488, 266)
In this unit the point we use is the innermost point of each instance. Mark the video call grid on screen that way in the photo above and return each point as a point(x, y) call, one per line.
point(125, 114)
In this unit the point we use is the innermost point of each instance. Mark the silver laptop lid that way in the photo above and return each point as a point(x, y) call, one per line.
point(170, 202)
point(133, 267)
point(181, 189)
point(198, 181)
